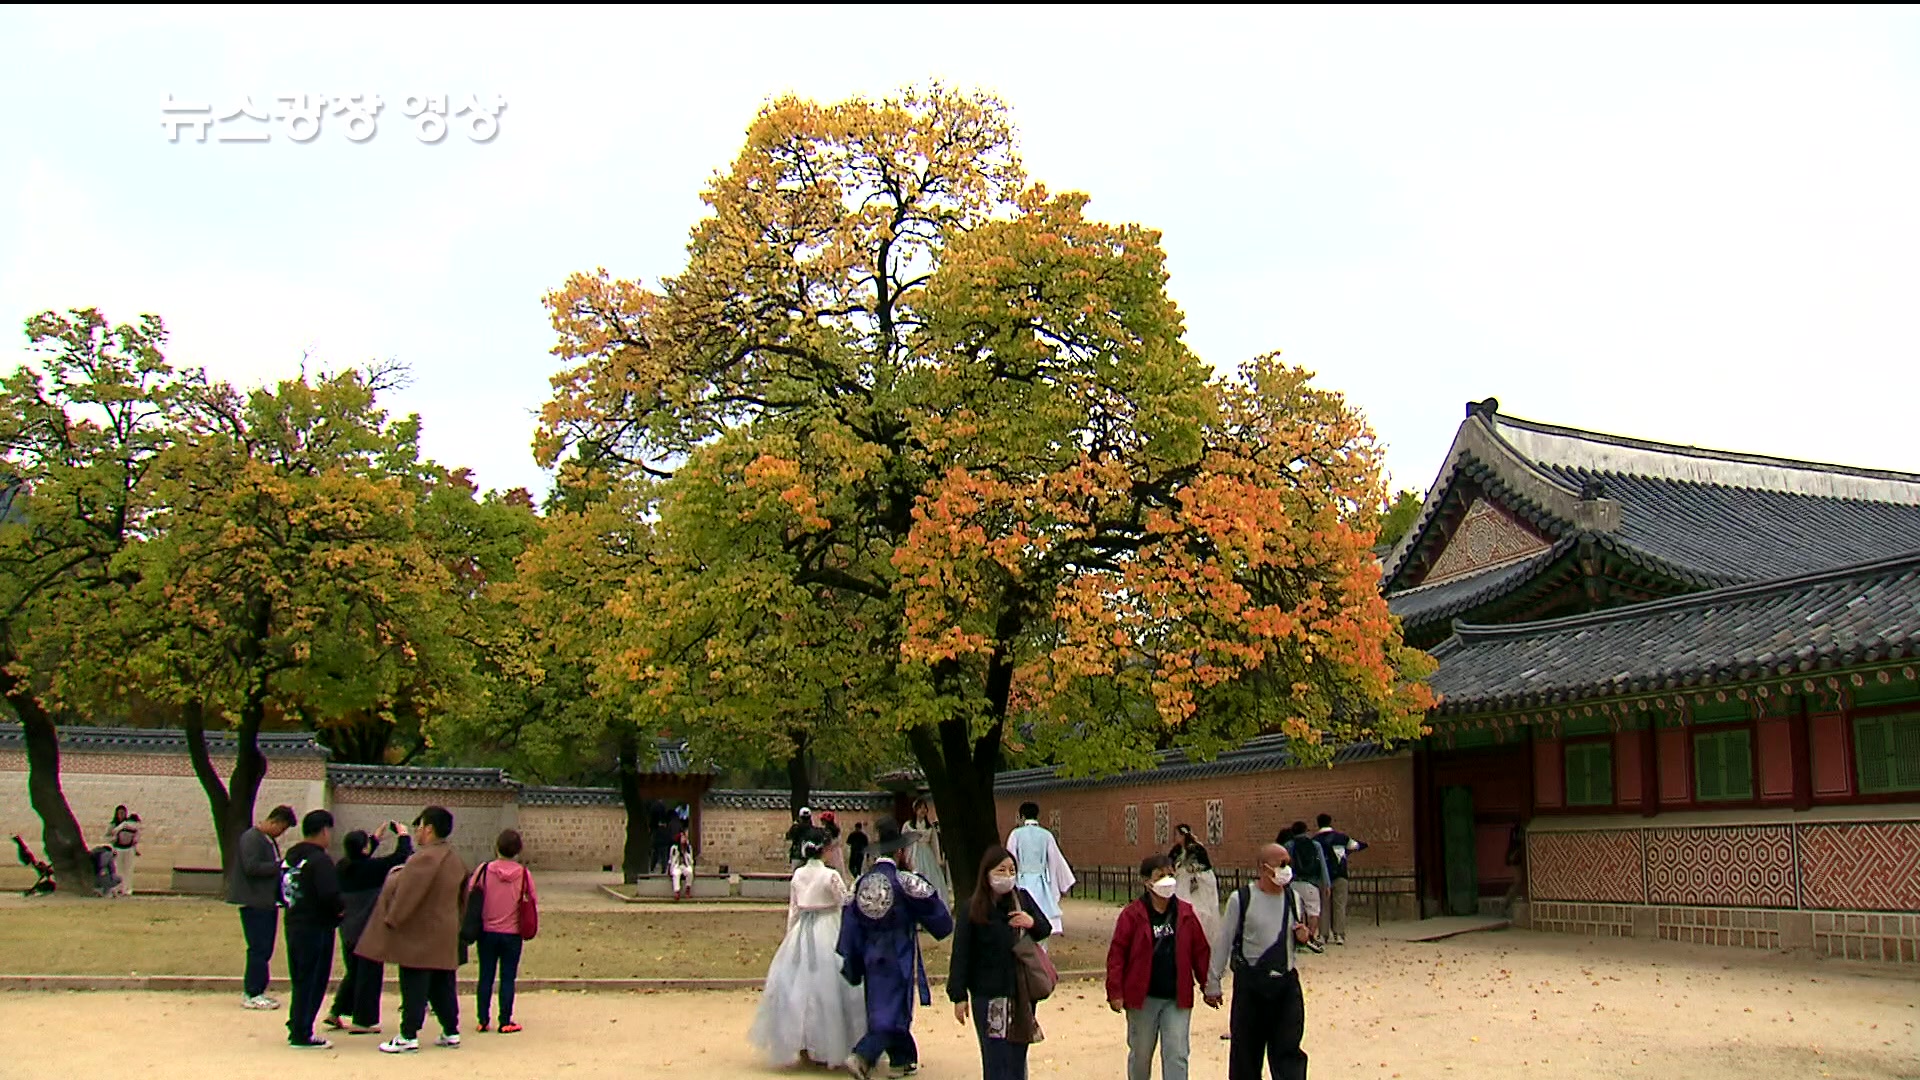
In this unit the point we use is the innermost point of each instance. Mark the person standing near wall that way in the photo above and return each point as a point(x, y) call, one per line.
point(509, 918)
point(361, 875)
point(857, 848)
point(1258, 936)
point(314, 908)
point(1336, 846)
point(797, 835)
point(1044, 872)
point(1310, 881)
point(253, 885)
point(416, 925)
point(1198, 885)
point(924, 854)
point(124, 834)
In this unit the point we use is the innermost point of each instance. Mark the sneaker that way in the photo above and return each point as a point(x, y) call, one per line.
point(258, 1001)
point(858, 1066)
point(399, 1044)
point(903, 1070)
point(509, 1028)
point(310, 1044)
point(1341, 940)
point(336, 1023)
point(356, 1029)
point(483, 1025)
point(451, 1042)
point(1315, 946)
point(271, 1003)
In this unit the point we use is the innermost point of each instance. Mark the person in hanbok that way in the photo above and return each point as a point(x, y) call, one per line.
point(807, 1011)
point(879, 949)
point(680, 865)
point(925, 856)
point(1194, 882)
point(835, 854)
point(1044, 872)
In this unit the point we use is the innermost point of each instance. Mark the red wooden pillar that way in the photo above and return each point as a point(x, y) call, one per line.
point(1427, 876)
point(1801, 742)
point(1650, 767)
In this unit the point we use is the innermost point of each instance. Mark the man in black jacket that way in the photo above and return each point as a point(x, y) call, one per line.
point(362, 873)
point(314, 908)
point(253, 885)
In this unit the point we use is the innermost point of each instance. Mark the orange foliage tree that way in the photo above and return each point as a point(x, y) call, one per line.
point(922, 433)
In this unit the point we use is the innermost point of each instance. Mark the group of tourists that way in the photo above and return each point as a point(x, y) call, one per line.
point(417, 907)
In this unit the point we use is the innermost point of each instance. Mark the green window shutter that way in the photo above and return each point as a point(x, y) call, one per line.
point(1707, 769)
point(1736, 761)
point(1888, 752)
point(1904, 749)
point(1589, 774)
point(1576, 760)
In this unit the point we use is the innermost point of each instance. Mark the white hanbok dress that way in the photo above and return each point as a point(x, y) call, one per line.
point(925, 858)
point(806, 1005)
point(1195, 882)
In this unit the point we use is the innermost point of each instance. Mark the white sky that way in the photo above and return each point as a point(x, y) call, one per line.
point(1700, 226)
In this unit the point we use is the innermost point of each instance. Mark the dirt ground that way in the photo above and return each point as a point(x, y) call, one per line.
point(1486, 1006)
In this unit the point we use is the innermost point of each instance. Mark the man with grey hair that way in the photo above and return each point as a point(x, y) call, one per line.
point(1258, 937)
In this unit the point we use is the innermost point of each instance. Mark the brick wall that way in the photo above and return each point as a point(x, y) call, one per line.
point(177, 825)
point(478, 816)
point(1371, 800)
point(745, 841)
point(573, 837)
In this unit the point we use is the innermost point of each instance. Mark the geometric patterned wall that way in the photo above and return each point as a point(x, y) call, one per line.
point(1737, 866)
point(1598, 866)
point(1861, 867)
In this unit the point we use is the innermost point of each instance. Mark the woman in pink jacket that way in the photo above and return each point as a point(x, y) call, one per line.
point(509, 919)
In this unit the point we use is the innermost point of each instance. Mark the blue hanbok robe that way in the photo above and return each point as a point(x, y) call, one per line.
point(1041, 869)
point(880, 943)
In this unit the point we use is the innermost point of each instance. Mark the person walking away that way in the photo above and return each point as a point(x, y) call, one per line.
point(253, 885)
point(124, 834)
point(879, 949)
point(1310, 881)
point(924, 853)
point(985, 972)
point(509, 918)
point(807, 1011)
point(1158, 955)
point(835, 853)
point(1258, 936)
point(680, 865)
point(1044, 872)
point(356, 1003)
point(314, 909)
point(857, 848)
point(797, 835)
point(416, 925)
point(1196, 882)
point(1337, 847)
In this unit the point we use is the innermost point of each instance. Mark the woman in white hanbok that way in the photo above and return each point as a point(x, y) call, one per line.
point(807, 1011)
point(1194, 882)
point(925, 857)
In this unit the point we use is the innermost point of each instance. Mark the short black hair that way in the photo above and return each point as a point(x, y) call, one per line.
point(1299, 827)
point(1151, 866)
point(509, 843)
point(437, 818)
point(284, 815)
point(315, 823)
point(1326, 821)
point(1030, 810)
point(356, 844)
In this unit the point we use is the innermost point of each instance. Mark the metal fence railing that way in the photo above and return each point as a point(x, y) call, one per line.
point(1118, 884)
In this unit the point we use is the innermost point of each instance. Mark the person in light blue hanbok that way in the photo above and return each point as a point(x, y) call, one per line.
point(1043, 871)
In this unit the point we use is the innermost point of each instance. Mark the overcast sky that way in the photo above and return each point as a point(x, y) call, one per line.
point(1697, 226)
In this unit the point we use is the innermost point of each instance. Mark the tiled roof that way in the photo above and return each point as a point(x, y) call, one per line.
point(569, 796)
point(1700, 518)
point(671, 758)
point(1823, 621)
point(116, 740)
point(776, 799)
point(1266, 753)
point(420, 778)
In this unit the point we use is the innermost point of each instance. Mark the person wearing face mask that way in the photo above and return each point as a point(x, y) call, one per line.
point(986, 971)
point(1258, 937)
point(1159, 952)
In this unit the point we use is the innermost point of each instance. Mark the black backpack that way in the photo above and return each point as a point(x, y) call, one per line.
point(1309, 859)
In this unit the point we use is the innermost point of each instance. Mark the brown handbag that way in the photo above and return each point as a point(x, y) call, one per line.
point(1037, 974)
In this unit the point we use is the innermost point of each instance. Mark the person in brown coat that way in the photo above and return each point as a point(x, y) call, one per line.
point(416, 926)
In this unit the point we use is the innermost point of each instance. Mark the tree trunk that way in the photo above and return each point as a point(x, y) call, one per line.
point(194, 719)
point(61, 842)
point(636, 857)
point(960, 773)
point(799, 776)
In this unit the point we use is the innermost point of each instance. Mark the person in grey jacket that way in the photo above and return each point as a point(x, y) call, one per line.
point(253, 884)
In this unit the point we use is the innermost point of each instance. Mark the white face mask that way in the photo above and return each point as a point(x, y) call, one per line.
point(1162, 888)
point(1002, 883)
point(1282, 875)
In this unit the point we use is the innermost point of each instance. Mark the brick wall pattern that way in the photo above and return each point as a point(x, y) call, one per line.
point(1603, 865)
point(1862, 867)
point(1730, 866)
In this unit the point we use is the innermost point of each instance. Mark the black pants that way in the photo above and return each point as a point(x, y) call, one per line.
point(359, 994)
point(1267, 1028)
point(659, 865)
point(855, 860)
point(1000, 1059)
point(502, 950)
point(420, 987)
point(897, 1045)
point(309, 965)
point(259, 924)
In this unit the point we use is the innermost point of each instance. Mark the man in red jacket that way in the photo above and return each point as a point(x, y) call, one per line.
point(1159, 953)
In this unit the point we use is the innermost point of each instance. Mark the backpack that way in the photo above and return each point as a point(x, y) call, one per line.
point(1246, 972)
point(292, 882)
point(1309, 859)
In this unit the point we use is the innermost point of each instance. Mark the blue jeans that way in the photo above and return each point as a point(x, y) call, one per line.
point(1000, 1059)
point(1161, 1021)
point(502, 950)
point(260, 925)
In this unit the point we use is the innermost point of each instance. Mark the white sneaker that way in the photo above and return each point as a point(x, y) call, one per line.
point(858, 1066)
point(399, 1044)
point(258, 1001)
point(452, 1042)
point(271, 1003)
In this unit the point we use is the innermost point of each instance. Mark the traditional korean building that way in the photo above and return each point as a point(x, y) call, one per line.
point(1678, 689)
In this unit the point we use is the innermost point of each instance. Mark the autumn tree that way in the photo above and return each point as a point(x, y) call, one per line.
point(82, 422)
point(943, 426)
point(1397, 518)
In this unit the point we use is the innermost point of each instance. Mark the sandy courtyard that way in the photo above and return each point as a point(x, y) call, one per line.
point(1485, 1006)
